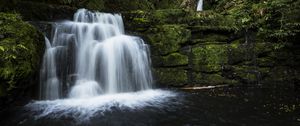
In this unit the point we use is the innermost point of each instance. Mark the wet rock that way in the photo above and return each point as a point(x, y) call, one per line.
point(209, 58)
point(171, 76)
point(166, 39)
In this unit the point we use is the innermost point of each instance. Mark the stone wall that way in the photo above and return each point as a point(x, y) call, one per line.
point(204, 48)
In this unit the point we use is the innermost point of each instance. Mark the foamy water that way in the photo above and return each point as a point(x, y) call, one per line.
point(82, 109)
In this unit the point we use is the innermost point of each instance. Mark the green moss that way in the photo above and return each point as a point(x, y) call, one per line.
point(119, 5)
point(201, 79)
point(211, 20)
point(164, 4)
point(169, 16)
point(20, 50)
point(171, 76)
point(166, 39)
point(265, 62)
point(238, 53)
point(209, 58)
point(247, 77)
point(210, 37)
point(95, 5)
point(175, 59)
point(212, 28)
point(263, 48)
point(250, 74)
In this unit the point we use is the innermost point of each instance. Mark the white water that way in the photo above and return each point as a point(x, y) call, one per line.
point(83, 109)
point(91, 56)
point(200, 5)
point(51, 85)
point(90, 66)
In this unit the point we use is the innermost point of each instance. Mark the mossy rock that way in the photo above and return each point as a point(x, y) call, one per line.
point(144, 18)
point(209, 58)
point(175, 59)
point(203, 79)
point(201, 28)
point(164, 4)
point(21, 48)
point(166, 39)
point(170, 16)
point(210, 37)
point(265, 62)
point(251, 74)
point(238, 53)
point(212, 21)
point(171, 76)
point(215, 38)
point(137, 20)
point(126, 5)
point(212, 18)
point(264, 48)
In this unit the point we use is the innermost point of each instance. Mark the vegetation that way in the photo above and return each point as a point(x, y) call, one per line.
point(20, 48)
point(231, 40)
point(273, 19)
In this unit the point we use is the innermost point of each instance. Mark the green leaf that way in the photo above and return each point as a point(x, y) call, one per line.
point(2, 48)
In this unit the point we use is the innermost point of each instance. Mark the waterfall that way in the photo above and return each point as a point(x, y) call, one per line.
point(200, 5)
point(91, 56)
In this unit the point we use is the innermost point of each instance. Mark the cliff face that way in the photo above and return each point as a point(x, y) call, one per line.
point(230, 42)
point(234, 42)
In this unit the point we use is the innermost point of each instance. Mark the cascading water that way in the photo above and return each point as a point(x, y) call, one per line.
point(200, 5)
point(94, 50)
point(90, 66)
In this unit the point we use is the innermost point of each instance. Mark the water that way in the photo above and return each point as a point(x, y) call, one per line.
point(92, 56)
point(227, 106)
point(93, 74)
point(200, 5)
point(91, 67)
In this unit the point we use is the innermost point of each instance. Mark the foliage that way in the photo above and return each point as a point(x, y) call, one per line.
point(280, 21)
point(276, 19)
point(18, 50)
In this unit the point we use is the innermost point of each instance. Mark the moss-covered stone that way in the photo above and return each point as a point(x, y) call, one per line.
point(209, 58)
point(215, 38)
point(263, 48)
point(251, 74)
point(265, 62)
point(246, 76)
point(175, 59)
point(163, 4)
point(171, 76)
point(238, 53)
point(137, 20)
point(170, 16)
point(210, 37)
point(203, 79)
point(20, 49)
point(201, 28)
point(125, 5)
point(166, 39)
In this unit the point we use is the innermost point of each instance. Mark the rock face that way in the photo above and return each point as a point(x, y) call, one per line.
point(210, 48)
point(21, 47)
point(224, 44)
